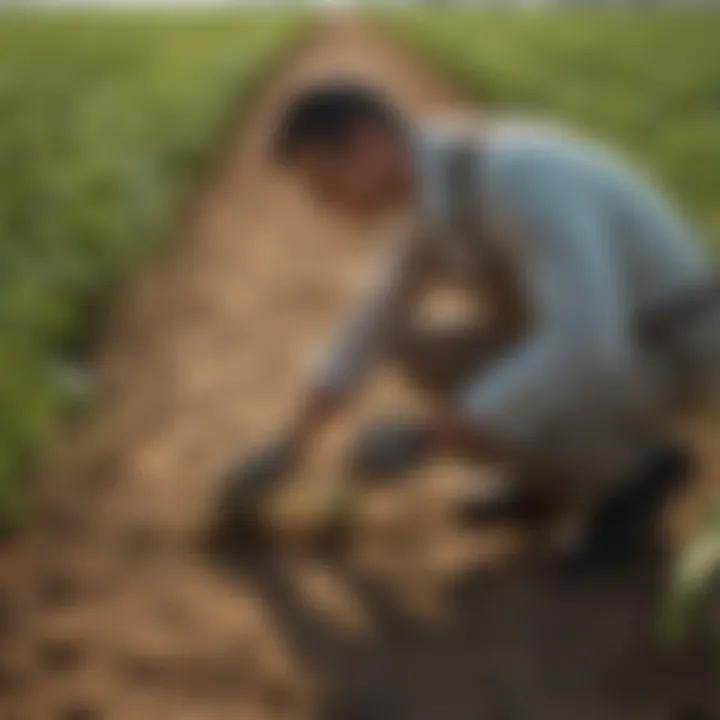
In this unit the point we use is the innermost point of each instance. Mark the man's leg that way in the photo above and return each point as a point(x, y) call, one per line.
point(636, 468)
point(623, 502)
point(620, 501)
point(683, 354)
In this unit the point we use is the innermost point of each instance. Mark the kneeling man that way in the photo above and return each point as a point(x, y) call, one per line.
point(600, 317)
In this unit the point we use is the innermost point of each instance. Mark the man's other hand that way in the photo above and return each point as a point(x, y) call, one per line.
point(390, 447)
point(249, 482)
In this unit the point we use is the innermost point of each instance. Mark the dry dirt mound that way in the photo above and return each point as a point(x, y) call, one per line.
point(111, 610)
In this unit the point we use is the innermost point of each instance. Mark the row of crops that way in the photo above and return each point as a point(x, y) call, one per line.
point(105, 119)
point(648, 81)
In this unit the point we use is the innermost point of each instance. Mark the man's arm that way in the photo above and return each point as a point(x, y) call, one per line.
point(578, 340)
point(384, 307)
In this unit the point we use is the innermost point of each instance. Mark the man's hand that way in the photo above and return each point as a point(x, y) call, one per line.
point(249, 482)
point(390, 447)
point(395, 445)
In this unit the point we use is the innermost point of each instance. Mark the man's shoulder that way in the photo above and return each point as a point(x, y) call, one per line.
point(442, 129)
point(511, 159)
point(511, 144)
point(550, 157)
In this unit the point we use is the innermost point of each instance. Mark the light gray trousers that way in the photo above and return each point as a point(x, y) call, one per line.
point(682, 369)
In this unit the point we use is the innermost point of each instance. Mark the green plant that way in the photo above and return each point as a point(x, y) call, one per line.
point(106, 120)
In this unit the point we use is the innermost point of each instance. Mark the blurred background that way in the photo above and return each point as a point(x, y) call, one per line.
point(160, 290)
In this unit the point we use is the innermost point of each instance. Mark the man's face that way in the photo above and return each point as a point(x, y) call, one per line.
point(367, 175)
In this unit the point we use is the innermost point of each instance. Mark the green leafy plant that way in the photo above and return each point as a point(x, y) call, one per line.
point(107, 118)
point(696, 572)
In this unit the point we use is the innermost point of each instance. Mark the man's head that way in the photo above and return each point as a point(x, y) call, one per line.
point(350, 145)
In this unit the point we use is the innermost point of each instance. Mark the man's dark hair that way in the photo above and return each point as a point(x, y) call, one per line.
point(326, 114)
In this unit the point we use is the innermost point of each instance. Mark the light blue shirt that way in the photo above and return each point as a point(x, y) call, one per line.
point(594, 247)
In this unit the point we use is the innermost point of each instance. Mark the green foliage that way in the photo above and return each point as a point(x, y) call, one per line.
point(105, 120)
point(697, 570)
point(648, 81)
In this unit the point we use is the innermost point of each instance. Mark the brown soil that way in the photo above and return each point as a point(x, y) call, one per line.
point(112, 608)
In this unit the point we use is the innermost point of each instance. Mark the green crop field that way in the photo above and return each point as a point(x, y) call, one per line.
point(105, 119)
point(648, 81)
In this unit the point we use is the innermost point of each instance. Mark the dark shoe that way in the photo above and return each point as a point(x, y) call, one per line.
point(625, 524)
point(390, 447)
point(372, 703)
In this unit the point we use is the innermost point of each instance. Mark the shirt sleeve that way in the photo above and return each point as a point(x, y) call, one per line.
point(578, 338)
point(384, 307)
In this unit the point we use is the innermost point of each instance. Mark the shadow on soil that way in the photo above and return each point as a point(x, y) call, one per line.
point(524, 642)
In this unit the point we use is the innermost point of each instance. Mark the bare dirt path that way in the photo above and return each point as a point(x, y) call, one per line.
point(117, 614)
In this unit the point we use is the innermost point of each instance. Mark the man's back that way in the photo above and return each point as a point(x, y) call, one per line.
point(536, 169)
